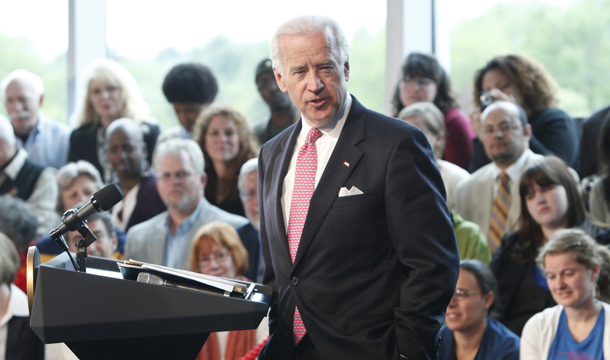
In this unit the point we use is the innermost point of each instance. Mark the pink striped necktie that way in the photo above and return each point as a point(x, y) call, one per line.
point(304, 186)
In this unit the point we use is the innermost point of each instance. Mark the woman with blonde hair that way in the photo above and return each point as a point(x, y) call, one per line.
point(578, 274)
point(112, 93)
point(227, 143)
point(217, 250)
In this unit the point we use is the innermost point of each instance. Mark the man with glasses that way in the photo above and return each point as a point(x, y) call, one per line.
point(490, 197)
point(247, 182)
point(166, 238)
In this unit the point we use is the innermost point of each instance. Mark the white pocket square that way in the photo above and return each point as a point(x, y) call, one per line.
point(353, 191)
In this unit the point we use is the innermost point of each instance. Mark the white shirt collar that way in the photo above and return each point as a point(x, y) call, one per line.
point(14, 167)
point(17, 305)
point(514, 170)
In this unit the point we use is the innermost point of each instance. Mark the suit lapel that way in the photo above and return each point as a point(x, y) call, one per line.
point(335, 175)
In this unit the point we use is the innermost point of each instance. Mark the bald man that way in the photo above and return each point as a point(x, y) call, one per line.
point(46, 141)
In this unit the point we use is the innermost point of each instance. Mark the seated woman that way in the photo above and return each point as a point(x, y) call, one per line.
point(112, 93)
point(550, 201)
point(227, 143)
point(526, 82)
point(127, 155)
point(424, 80)
point(578, 274)
point(17, 340)
point(217, 250)
point(469, 333)
point(472, 243)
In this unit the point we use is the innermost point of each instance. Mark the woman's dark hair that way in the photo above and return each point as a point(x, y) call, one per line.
point(549, 171)
point(535, 85)
point(603, 154)
point(418, 65)
point(484, 276)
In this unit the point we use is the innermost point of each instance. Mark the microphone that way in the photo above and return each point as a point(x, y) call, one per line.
point(103, 200)
point(148, 278)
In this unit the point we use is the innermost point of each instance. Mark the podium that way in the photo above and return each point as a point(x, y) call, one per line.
point(99, 315)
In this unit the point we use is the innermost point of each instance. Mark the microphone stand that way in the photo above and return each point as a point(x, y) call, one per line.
point(75, 224)
point(81, 246)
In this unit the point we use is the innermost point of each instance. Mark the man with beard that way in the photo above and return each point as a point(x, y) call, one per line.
point(283, 114)
point(490, 197)
point(46, 141)
point(166, 238)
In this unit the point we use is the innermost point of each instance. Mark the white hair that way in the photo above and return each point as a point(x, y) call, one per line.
point(7, 134)
point(247, 168)
point(173, 147)
point(309, 24)
point(34, 80)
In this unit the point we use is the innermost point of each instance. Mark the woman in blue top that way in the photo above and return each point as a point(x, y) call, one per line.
point(469, 333)
point(578, 275)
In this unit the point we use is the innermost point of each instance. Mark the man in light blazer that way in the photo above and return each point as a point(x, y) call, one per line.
point(505, 134)
point(166, 238)
point(377, 261)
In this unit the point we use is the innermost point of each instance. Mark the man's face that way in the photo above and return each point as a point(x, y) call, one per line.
point(179, 185)
point(22, 104)
point(504, 138)
point(126, 152)
point(271, 93)
point(188, 113)
point(313, 76)
point(104, 246)
point(249, 197)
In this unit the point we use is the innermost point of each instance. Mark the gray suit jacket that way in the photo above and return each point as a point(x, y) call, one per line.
point(475, 196)
point(146, 241)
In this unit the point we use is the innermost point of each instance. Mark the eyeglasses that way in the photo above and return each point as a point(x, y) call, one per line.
point(250, 195)
point(179, 175)
point(464, 293)
point(504, 128)
point(420, 82)
point(219, 257)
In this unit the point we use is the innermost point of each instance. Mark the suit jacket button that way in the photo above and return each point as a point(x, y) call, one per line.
point(294, 281)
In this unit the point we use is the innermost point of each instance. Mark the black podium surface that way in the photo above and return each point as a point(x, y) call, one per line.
point(101, 317)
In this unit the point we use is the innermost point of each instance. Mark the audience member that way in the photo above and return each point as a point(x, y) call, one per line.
point(227, 143)
point(127, 155)
point(107, 242)
point(490, 196)
point(112, 93)
point(524, 81)
point(46, 140)
point(19, 224)
point(599, 198)
point(165, 239)
point(589, 161)
point(247, 182)
point(469, 333)
point(578, 274)
point(283, 114)
point(190, 88)
point(549, 201)
point(216, 250)
point(17, 340)
point(424, 80)
point(23, 178)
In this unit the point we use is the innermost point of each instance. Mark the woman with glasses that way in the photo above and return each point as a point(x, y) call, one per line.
point(469, 333)
point(217, 251)
point(424, 80)
point(550, 201)
point(227, 143)
point(577, 270)
point(524, 81)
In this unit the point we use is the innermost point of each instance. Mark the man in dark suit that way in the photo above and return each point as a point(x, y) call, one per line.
point(361, 256)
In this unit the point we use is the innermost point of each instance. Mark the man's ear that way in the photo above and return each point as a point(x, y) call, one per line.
point(527, 131)
point(346, 70)
point(279, 78)
point(204, 179)
point(41, 100)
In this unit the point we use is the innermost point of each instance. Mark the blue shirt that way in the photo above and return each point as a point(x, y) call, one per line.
point(48, 143)
point(498, 343)
point(564, 346)
point(176, 243)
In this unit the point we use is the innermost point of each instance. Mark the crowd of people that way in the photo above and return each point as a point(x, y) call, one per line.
point(534, 276)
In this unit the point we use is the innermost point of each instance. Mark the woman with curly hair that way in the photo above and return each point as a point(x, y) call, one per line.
point(227, 143)
point(550, 201)
point(112, 93)
point(525, 81)
point(424, 80)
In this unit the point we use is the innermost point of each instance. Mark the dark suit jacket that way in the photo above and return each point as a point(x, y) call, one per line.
point(148, 203)
point(374, 273)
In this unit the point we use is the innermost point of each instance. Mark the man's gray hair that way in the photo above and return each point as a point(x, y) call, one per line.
point(173, 147)
point(7, 134)
point(247, 168)
point(309, 24)
point(24, 75)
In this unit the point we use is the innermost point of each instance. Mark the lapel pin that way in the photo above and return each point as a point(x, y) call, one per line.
point(346, 163)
